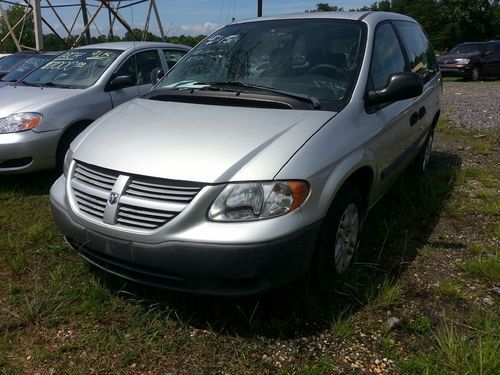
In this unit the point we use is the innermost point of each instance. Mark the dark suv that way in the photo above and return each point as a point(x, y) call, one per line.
point(472, 60)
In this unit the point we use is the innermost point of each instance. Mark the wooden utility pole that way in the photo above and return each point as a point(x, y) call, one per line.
point(259, 8)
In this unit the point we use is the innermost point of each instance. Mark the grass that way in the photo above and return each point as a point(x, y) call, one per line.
point(423, 246)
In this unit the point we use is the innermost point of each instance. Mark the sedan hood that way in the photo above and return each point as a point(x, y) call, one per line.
point(197, 142)
point(14, 99)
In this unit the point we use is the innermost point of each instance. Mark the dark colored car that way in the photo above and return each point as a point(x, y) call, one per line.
point(11, 62)
point(472, 60)
point(27, 67)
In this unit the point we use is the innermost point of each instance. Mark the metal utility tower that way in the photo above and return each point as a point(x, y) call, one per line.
point(87, 10)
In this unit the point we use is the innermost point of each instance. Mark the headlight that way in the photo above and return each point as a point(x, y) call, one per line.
point(19, 122)
point(258, 200)
point(462, 61)
point(67, 161)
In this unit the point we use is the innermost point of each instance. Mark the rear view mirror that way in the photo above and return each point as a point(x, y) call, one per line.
point(156, 75)
point(400, 86)
point(121, 82)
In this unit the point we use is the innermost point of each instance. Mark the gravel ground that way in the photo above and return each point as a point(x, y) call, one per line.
point(472, 105)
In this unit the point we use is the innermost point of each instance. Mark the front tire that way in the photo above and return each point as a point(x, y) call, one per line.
point(340, 232)
point(476, 73)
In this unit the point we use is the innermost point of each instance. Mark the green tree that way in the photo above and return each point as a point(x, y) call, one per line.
point(14, 14)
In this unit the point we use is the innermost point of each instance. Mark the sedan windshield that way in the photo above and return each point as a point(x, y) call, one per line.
point(313, 58)
point(464, 49)
point(9, 62)
point(26, 67)
point(73, 69)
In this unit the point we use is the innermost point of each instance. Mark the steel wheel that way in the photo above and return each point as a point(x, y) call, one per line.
point(347, 237)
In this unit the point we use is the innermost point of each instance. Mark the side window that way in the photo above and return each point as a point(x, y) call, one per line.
point(140, 66)
point(172, 56)
point(420, 53)
point(387, 57)
point(490, 48)
point(497, 48)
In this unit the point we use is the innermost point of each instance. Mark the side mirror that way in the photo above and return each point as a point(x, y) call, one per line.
point(400, 86)
point(121, 82)
point(156, 74)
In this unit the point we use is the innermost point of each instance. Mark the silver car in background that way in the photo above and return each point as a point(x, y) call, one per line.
point(41, 114)
point(256, 157)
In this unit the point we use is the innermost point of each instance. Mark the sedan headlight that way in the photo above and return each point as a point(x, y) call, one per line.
point(462, 61)
point(20, 122)
point(258, 200)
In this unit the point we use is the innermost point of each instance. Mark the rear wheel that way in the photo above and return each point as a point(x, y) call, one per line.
point(421, 162)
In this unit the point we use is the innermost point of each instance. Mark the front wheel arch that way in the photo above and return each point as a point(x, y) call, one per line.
point(66, 138)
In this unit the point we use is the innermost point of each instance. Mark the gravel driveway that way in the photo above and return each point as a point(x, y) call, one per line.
point(473, 105)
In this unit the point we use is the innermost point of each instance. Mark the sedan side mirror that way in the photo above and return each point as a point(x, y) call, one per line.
point(400, 86)
point(156, 75)
point(121, 82)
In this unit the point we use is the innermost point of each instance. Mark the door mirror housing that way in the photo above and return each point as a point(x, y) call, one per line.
point(156, 75)
point(121, 82)
point(401, 86)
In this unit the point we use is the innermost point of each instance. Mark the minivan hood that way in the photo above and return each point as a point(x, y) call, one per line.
point(197, 142)
point(453, 56)
point(15, 99)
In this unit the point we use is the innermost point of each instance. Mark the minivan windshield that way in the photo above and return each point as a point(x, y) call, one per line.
point(73, 69)
point(9, 62)
point(464, 49)
point(316, 58)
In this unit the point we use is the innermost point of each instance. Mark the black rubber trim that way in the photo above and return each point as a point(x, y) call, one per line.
point(365, 15)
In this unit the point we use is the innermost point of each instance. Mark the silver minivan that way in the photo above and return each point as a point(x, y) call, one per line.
point(41, 114)
point(257, 156)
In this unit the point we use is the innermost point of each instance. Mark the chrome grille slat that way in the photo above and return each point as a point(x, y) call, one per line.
point(173, 191)
point(160, 196)
point(152, 184)
point(167, 215)
point(133, 223)
point(144, 204)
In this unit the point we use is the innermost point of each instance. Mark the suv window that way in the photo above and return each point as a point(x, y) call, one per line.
point(172, 56)
point(387, 57)
point(140, 66)
point(420, 54)
point(497, 47)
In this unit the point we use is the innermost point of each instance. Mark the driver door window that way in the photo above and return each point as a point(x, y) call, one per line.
point(139, 66)
point(387, 57)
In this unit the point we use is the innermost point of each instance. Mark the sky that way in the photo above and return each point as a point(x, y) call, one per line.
point(188, 17)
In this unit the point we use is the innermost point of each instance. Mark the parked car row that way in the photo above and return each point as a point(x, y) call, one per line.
point(253, 161)
point(41, 113)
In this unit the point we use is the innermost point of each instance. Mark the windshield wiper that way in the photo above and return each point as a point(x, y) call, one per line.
point(217, 85)
point(57, 85)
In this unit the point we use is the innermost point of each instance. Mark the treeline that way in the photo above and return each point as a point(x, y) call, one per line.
point(447, 22)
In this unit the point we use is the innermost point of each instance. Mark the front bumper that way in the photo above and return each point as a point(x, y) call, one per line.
point(229, 269)
point(27, 151)
point(455, 70)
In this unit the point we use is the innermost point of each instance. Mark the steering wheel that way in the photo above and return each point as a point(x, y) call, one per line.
point(333, 68)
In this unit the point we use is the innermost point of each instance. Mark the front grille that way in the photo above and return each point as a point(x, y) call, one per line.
point(143, 203)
